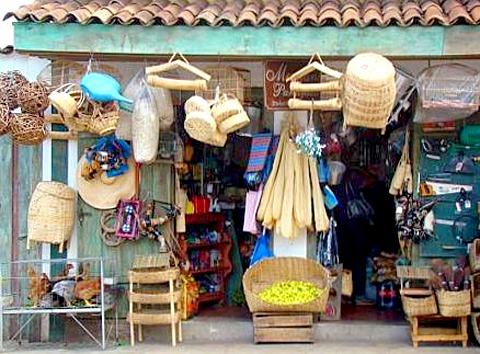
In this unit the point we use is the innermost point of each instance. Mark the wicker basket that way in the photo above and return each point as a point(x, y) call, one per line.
point(369, 91)
point(200, 125)
point(28, 129)
point(33, 98)
point(5, 118)
point(414, 272)
point(51, 214)
point(233, 81)
point(419, 306)
point(454, 303)
point(474, 255)
point(226, 107)
point(99, 118)
point(269, 271)
point(10, 83)
point(347, 282)
point(153, 276)
point(475, 286)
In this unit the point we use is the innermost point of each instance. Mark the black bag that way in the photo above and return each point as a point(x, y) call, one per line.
point(327, 246)
point(357, 206)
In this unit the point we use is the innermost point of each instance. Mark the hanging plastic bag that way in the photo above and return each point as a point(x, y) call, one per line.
point(262, 248)
point(163, 99)
point(145, 127)
point(327, 248)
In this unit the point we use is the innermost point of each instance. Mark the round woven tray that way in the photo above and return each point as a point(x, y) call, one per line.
point(369, 91)
point(33, 98)
point(28, 129)
point(10, 83)
point(5, 118)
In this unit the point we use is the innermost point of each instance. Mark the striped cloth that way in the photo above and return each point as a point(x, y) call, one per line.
point(258, 152)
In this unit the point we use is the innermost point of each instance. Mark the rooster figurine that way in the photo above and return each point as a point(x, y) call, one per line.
point(86, 288)
point(39, 286)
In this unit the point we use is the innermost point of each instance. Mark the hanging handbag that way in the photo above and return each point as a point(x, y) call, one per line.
point(357, 206)
point(327, 248)
point(126, 224)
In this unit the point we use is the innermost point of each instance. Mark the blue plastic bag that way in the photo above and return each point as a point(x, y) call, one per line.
point(330, 199)
point(262, 248)
point(323, 171)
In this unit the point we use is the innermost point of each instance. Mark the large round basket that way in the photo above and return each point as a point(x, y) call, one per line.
point(33, 98)
point(51, 214)
point(5, 118)
point(454, 303)
point(269, 271)
point(28, 129)
point(369, 91)
point(10, 84)
point(419, 306)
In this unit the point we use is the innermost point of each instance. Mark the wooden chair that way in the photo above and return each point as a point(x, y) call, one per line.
point(154, 306)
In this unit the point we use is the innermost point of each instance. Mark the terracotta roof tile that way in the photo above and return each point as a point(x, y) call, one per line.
point(272, 13)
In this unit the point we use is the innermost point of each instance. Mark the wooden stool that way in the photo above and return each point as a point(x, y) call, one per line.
point(421, 333)
point(155, 298)
point(282, 327)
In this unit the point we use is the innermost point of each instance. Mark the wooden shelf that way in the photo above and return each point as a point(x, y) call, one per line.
point(206, 218)
point(422, 333)
point(208, 270)
point(206, 244)
point(219, 295)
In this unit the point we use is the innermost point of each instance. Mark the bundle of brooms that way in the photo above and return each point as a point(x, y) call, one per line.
point(286, 205)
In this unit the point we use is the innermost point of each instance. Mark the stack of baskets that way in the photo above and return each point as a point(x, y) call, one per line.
point(270, 271)
point(424, 302)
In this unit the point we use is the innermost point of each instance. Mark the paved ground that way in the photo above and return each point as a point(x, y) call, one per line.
point(244, 348)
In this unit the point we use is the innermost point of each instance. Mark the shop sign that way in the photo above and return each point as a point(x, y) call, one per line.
point(276, 89)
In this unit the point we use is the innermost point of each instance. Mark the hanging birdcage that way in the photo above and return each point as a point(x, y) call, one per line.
point(233, 81)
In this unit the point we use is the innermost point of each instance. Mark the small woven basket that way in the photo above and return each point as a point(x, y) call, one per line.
point(475, 286)
point(369, 91)
point(419, 306)
point(226, 107)
point(269, 271)
point(99, 118)
point(51, 214)
point(10, 84)
point(5, 118)
point(28, 129)
point(474, 255)
point(414, 272)
point(347, 282)
point(33, 98)
point(200, 126)
point(454, 303)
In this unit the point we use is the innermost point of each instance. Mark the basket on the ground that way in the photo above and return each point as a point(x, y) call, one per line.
point(28, 129)
point(454, 303)
point(474, 255)
point(51, 214)
point(419, 306)
point(347, 282)
point(369, 91)
point(273, 270)
point(475, 286)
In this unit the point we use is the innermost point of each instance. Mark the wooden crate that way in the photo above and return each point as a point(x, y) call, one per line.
point(423, 331)
point(285, 327)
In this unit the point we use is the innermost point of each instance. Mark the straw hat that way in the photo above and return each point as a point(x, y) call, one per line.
point(64, 103)
point(101, 195)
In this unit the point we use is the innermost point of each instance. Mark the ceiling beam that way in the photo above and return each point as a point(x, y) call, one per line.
point(136, 40)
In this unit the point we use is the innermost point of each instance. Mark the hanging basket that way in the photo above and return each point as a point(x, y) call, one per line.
point(200, 126)
point(98, 118)
point(5, 118)
point(227, 106)
point(51, 214)
point(369, 91)
point(10, 83)
point(270, 271)
point(28, 129)
point(33, 98)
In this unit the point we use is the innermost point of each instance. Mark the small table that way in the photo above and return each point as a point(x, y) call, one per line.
point(422, 333)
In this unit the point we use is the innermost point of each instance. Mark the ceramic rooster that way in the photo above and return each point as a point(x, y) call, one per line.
point(39, 286)
point(86, 288)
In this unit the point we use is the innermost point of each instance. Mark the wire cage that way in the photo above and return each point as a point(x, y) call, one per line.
point(58, 286)
point(233, 81)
